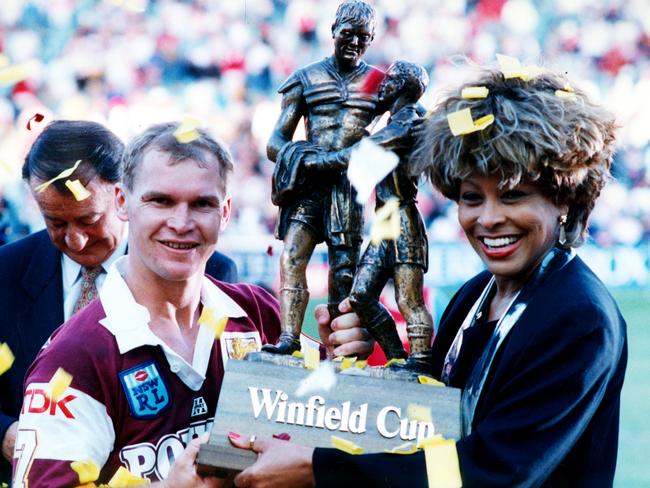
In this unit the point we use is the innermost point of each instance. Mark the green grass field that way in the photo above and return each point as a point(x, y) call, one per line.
point(634, 447)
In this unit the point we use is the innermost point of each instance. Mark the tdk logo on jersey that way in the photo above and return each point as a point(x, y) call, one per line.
point(146, 390)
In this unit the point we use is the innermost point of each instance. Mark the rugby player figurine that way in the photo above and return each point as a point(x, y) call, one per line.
point(317, 203)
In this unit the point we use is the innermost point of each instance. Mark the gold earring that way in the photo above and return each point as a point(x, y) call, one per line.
point(562, 239)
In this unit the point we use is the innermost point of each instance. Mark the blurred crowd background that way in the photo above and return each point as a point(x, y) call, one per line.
point(130, 63)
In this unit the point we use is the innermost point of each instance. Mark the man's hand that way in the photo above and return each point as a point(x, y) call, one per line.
point(183, 472)
point(279, 464)
point(344, 336)
point(9, 441)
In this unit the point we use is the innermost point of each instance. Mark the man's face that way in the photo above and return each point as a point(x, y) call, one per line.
point(351, 42)
point(389, 88)
point(175, 214)
point(87, 231)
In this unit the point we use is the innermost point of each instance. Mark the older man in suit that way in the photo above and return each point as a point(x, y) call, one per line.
point(47, 276)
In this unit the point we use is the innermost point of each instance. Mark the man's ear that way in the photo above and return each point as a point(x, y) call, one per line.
point(225, 213)
point(120, 202)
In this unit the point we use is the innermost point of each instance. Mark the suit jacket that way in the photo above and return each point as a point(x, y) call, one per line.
point(31, 308)
point(548, 413)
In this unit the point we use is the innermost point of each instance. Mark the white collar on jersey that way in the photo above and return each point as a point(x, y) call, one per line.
point(128, 321)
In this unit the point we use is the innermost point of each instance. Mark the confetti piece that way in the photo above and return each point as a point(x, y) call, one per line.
point(347, 363)
point(312, 358)
point(87, 470)
point(269, 250)
point(6, 358)
point(322, 379)
point(372, 81)
point(461, 122)
point(36, 118)
point(406, 448)
point(345, 445)
point(443, 470)
point(369, 164)
point(63, 174)
point(569, 95)
point(428, 380)
point(421, 413)
point(431, 441)
point(512, 68)
point(474, 92)
point(297, 354)
point(208, 319)
point(187, 130)
point(283, 436)
point(10, 75)
point(77, 189)
point(393, 361)
point(58, 384)
point(386, 225)
point(123, 477)
point(338, 359)
point(568, 88)
point(360, 364)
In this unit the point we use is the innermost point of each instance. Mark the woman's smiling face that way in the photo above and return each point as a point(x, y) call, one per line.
point(511, 229)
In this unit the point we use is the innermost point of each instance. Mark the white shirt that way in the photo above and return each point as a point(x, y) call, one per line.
point(72, 277)
point(128, 321)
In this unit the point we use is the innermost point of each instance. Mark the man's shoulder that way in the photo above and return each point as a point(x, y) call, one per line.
point(18, 251)
point(247, 294)
point(305, 76)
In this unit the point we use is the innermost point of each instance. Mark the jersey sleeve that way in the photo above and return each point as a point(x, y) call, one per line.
point(52, 433)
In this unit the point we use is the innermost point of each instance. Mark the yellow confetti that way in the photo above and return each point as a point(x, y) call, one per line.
point(421, 413)
point(428, 380)
point(431, 441)
point(406, 448)
point(512, 68)
point(347, 363)
point(187, 130)
point(87, 470)
point(208, 319)
point(338, 359)
point(386, 225)
point(474, 92)
point(123, 477)
point(15, 73)
point(346, 445)
point(6, 358)
point(360, 364)
point(312, 358)
point(77, 189)
point(393, 361)
point(63, 174)
point(570, 95)
point(297, 354)
point(443, 470)
point(461, 122)
point(58, 384)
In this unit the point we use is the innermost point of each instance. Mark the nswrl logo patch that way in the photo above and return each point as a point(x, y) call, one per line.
point(146, 390)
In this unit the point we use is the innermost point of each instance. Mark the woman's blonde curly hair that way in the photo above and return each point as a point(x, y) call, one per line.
point(563, 144)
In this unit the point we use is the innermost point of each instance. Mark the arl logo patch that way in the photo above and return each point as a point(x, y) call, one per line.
point(146, 390)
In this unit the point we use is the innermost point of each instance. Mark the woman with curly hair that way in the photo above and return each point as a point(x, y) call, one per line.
point(535, 342)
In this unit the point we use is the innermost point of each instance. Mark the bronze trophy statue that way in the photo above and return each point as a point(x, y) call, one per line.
point(317, 203)
point(405, 259)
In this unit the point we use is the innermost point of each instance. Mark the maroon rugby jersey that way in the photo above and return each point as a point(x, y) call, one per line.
point(132, 401)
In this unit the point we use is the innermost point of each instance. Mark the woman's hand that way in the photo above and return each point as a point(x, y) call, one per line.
point(279, 463)
point(344, 336)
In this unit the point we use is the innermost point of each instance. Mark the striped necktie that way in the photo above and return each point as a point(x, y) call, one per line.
point(88, 289)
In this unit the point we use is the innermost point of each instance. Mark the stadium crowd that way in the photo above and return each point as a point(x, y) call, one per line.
point(130, 63)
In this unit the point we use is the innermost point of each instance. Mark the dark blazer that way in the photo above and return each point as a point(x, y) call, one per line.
point(549, 411)
point(31, 307)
